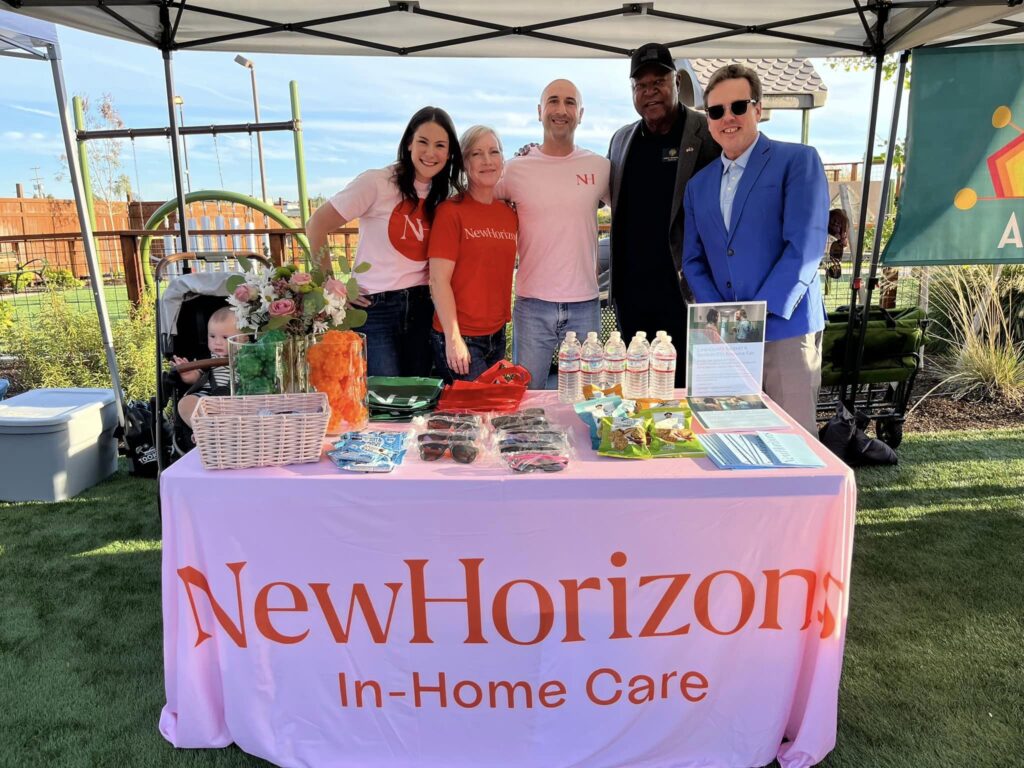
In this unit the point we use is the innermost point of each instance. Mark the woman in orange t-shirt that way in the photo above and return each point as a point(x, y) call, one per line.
point(472, 256)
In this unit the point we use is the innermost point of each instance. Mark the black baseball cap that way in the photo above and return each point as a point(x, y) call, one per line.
point(651, 53)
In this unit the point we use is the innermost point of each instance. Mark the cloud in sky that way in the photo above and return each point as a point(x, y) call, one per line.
point(354, 109)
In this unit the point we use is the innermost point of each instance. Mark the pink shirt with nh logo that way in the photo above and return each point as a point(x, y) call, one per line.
point(393, 235)
point(557, 200)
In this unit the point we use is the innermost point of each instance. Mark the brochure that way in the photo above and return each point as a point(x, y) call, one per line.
point(760, 450)
point(725, 348)
point(735, 412)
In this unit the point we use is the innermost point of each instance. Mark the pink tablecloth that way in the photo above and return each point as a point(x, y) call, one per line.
point(621, 613)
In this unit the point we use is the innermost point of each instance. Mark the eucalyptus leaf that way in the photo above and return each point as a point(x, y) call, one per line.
point(233, 282)
point(244, 263)
point(318, 276)
point(354, 318)
point(277, 322)
point(353, 289)
point(362, 267)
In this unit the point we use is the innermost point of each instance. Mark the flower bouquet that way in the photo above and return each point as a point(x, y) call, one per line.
point(289, 310)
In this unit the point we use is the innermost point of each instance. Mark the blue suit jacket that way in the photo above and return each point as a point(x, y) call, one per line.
point(775, 240)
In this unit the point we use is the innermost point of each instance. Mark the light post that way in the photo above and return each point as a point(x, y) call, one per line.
point(184, 143)
point(241, 60)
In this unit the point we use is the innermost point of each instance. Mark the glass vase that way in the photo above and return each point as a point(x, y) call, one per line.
point(337, 367)
point(268, 365)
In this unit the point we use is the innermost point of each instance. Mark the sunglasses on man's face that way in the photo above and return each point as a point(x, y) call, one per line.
point(717, 112)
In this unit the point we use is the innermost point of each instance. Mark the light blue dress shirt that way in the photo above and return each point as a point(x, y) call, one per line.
point(731, 181)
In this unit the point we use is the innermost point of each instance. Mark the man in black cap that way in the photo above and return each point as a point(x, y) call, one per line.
point(652, 159)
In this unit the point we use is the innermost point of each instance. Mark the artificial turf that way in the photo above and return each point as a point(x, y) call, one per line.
point(934, 667)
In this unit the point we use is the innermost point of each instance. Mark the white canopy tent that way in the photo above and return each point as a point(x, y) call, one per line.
point(536, 28)
point(542, 29)
point(29, 38)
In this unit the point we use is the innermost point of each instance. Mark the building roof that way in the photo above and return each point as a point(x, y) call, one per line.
point(787, 83)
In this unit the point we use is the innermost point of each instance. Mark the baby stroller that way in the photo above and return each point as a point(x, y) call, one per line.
point(196, 287)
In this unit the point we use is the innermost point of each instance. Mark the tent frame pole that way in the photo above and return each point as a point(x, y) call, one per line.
point(876, 252)
point(179, 188)
point(88, 242)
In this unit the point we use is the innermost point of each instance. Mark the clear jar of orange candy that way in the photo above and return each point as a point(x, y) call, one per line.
point(337, 367)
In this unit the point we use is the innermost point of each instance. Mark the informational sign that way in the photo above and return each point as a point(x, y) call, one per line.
point(963, 200)
point(725, 348)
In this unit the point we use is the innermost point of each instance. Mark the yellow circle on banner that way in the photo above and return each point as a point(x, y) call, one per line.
point(965, 199)
point(1001, 117)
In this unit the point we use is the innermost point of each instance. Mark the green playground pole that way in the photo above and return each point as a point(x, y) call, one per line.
point(83, 161)
point(300, 154)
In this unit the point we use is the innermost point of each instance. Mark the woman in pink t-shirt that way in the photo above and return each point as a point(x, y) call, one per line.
point(395, 207)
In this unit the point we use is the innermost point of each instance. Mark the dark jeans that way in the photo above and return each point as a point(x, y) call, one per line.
point(398, 332)
point(484, 351)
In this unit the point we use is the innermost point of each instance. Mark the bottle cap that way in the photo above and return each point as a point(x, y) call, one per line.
point(592, 336)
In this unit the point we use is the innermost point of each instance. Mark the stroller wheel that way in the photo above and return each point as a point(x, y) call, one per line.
point(890, 430)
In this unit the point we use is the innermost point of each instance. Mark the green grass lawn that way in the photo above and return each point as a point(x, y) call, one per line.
point(934, 671)
point(28, 304)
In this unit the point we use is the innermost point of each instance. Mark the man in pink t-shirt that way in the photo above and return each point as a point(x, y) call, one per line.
point(557, 189)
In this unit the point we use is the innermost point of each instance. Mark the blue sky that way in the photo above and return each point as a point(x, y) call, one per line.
point(354, 110)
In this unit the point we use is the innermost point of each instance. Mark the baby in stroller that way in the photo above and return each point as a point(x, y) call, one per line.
point(214, 381)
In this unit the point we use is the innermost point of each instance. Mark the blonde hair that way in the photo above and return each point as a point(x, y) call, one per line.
point(474, 133)
point(222, 315)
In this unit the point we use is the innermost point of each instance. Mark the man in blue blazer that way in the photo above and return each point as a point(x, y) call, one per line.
point(755, 230)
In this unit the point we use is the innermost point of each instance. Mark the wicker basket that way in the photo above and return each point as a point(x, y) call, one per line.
point(260, 430)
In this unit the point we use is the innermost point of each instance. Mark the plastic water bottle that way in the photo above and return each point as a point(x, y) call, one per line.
point(615, 360)
point(570, 387)
point(658, 338)
point(638, 366)
point(663, 369)
point(592, 361)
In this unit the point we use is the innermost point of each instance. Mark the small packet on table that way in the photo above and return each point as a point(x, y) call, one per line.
point(671, 436)
point(625, 437)
point(369, 451)
point(592, 411)
point(594, 392)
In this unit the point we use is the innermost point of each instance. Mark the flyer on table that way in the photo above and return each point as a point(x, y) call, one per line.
point(725, 348)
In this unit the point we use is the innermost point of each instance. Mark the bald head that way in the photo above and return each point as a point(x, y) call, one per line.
point(560, 111)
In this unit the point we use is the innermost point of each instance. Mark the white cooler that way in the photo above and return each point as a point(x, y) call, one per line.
point(55, 443)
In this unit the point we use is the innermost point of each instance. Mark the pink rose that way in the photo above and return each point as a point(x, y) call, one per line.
point(242, 292)
point(336, 287)
point(301, 278)
point(282, 308)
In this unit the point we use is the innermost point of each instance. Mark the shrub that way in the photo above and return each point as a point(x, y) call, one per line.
point(975, 317)
point(63, 348)
point(6, 317)
point(60, 279)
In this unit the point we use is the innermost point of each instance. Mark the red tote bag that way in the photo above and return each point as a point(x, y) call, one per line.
point(499, 389)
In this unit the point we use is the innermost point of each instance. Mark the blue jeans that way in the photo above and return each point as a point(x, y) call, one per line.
point(538, 327)
point(398, 332)
point(484, 351)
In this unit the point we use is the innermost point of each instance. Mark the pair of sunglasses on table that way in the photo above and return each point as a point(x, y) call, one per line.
point(528, 417)
point(460, 445)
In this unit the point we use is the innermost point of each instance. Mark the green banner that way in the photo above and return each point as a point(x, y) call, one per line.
point(963, 200)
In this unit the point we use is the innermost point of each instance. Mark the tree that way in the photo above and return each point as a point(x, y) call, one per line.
point(109, 184)
point(890, 66)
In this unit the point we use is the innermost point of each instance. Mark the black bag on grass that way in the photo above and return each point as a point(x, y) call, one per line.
point(843, 434)
point(140, 445)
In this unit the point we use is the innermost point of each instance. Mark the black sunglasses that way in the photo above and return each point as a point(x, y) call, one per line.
point(463, 453)
point(738, 108)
